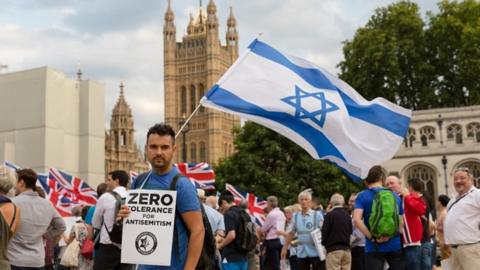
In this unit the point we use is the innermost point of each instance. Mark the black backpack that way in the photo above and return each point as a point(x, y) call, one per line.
point(207, 257)
point(115, 234)
point(246, 236)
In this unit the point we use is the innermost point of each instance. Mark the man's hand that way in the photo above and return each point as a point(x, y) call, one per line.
point(124, 212)
point(380, 240)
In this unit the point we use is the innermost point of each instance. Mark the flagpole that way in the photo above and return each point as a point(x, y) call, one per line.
point(190, 117)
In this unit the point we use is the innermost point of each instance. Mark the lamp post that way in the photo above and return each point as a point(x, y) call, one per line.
point(439, 123)
point(444, 163)
point(184, 143)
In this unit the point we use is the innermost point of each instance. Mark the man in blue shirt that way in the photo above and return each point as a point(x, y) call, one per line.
point(377, 250)
point(189, 228)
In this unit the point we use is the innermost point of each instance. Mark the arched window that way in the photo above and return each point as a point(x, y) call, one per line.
point(474, 168)
point(203, 152)
point(193, 152)
point(427, 133)
point(193, 98)
point(454, 132)
point(411, 137)
point(183, 100)
point(473, 131)
point(201, 93)
point(427, 175)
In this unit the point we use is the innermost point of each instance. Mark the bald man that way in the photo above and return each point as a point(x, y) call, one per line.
point(394, 184)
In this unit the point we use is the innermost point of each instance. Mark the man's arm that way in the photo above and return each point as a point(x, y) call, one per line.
point(230, 237)
point(98, 214)
point(326, 228)
point(288, 240)
point(194, 222)
point(268, 223)
point(357, 220)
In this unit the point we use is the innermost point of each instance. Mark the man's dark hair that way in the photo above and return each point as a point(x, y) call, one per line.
point(375, 174)
point(28, 176)
point(162, 129)
point(443, 199)
point(416, 184)
point(226, 196)
point(121, 176)
point(101, 188)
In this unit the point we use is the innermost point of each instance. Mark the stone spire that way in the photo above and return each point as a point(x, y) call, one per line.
point(232, 35)
point(121, 107)
point(169, 27)
point(191, 26)
point(212, 20)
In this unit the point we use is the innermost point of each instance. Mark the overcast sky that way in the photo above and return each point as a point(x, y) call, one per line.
point(122, 40)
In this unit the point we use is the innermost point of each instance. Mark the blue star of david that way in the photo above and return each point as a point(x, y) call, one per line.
point(317, 116)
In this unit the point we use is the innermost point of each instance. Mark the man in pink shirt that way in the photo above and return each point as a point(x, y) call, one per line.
point(275, 221)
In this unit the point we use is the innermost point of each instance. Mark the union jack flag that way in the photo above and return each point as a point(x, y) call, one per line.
point(200, 174)
point(196, 184)
point(64, 191)
point(42, 177)
point(67, 191)
point(255, 204)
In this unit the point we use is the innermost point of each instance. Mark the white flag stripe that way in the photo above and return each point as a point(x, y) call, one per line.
point(268, 94)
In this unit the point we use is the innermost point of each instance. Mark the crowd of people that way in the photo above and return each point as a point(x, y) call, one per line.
point(388, 225)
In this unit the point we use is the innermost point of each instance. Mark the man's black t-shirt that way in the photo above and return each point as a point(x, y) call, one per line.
point(232, 221)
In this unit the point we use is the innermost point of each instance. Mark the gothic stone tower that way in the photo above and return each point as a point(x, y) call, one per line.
point(121, 152)
point(191, 68)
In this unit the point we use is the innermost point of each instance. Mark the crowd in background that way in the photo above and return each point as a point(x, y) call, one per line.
point(389, 224)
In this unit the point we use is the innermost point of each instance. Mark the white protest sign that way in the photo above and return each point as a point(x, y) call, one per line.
point(148, 231)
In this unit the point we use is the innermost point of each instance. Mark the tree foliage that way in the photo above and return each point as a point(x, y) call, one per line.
point(415, 64)
point(266, 163)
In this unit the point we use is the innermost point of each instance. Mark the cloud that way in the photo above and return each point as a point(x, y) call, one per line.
point(116, 41)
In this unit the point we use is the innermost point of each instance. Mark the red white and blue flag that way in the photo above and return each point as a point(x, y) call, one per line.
point(200, 174)
point(255, 204)
point(67, 191)
point(63, 190)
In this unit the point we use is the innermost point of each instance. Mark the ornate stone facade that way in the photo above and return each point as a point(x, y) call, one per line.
point(191, 68)
point(121, 152)
point(438, 142)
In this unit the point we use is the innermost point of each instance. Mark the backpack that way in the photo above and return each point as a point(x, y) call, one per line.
point(207, 256)
point(115, 233)
point(384, 219)
point(246, 236)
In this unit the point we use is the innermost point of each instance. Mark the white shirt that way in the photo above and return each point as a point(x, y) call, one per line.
point(462, 224)
point(105, 209)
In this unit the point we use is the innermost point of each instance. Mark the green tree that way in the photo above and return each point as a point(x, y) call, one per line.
point(266, 163)
point(454, 47)
point(386, 58)
point(418, 65)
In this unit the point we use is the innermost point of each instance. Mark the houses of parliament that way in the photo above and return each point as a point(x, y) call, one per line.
point(191, 67)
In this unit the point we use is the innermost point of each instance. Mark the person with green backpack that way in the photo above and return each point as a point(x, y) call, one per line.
point(378, 215)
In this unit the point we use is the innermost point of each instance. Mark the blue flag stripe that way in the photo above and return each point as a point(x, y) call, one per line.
point(319, 141)
point(316, 78)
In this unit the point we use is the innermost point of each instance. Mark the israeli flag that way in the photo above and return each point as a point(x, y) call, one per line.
point(311, 107)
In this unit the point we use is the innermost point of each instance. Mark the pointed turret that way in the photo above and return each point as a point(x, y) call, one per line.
point(212, 20)
point(190, 27)
point(121, 107)
point(169, 27)
point(232, 35)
